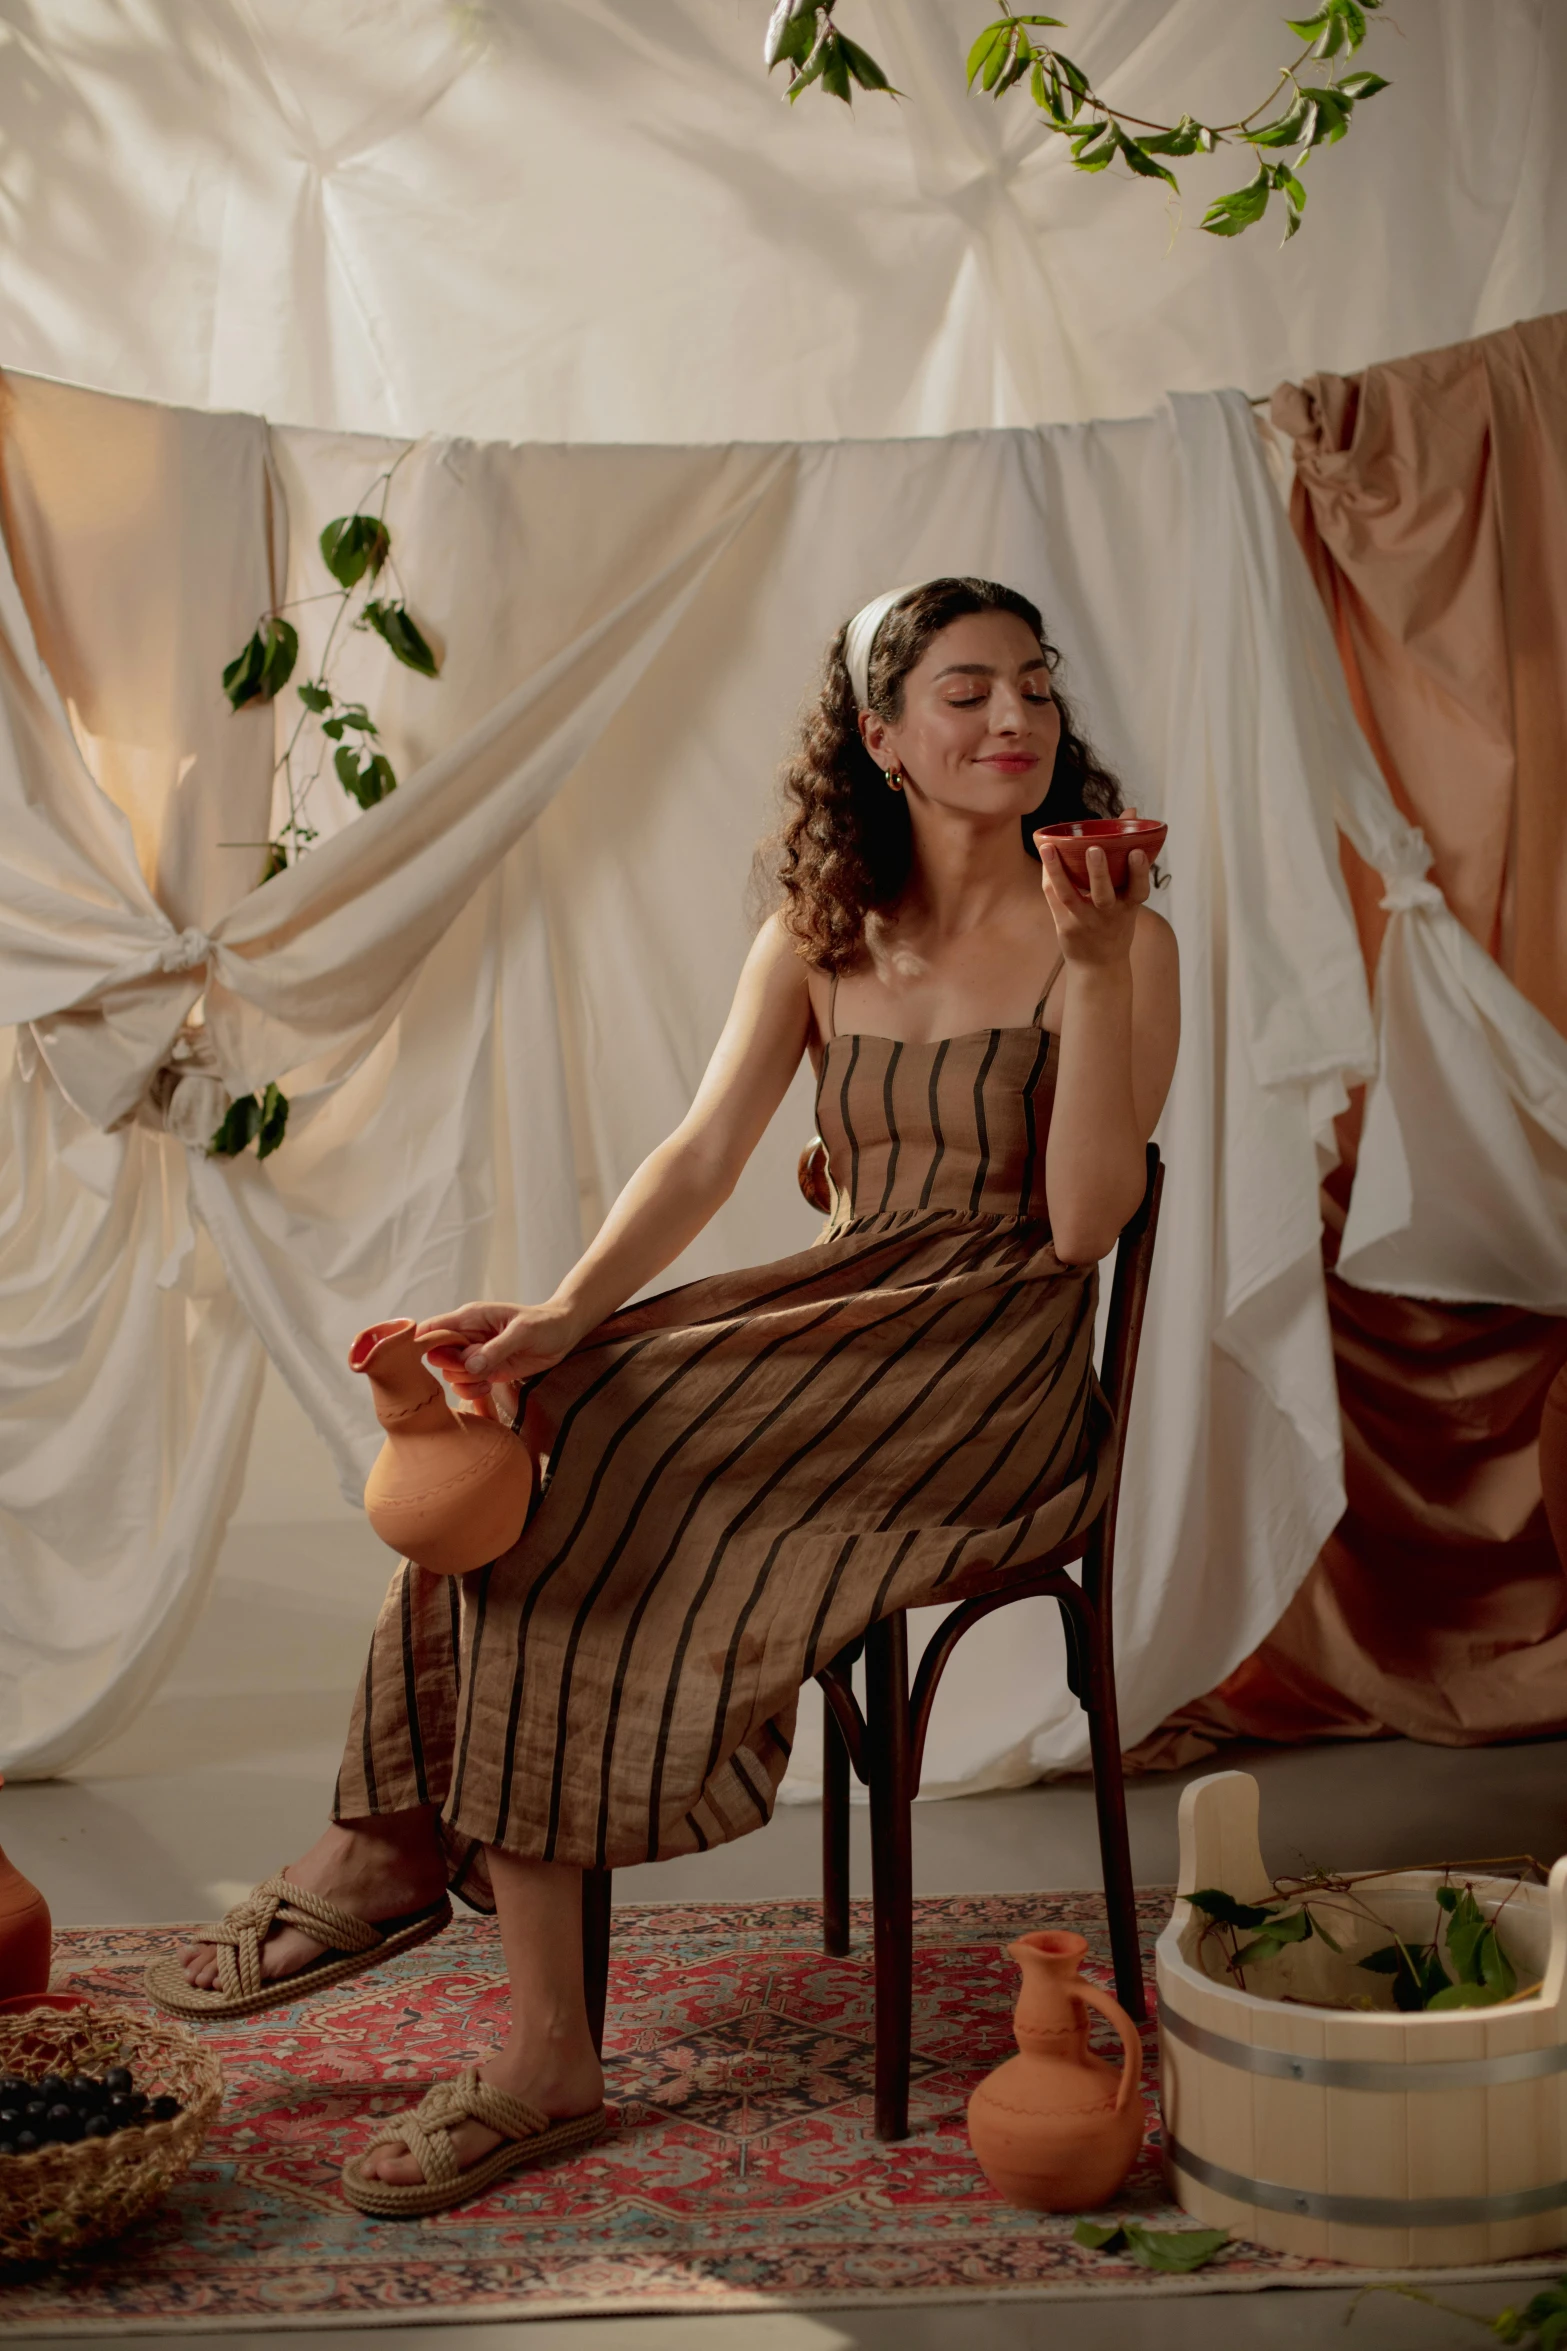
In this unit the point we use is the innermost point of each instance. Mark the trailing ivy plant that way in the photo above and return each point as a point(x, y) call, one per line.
point(357, 551)
point(1483, 1974)
point(1297, 114)
point(1541, 2325)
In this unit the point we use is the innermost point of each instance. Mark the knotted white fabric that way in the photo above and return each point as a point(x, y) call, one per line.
point(1408, 886)
point(191, 951)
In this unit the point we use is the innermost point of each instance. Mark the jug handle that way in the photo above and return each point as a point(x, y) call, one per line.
point(1131, 2038)
point(481, 1407)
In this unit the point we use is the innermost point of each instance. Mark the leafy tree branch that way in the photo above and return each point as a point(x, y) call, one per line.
point(1295, 114)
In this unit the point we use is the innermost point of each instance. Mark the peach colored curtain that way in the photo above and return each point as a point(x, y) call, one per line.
point(1430, 498)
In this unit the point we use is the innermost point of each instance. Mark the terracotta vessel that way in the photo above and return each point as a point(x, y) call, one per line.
point(26, 1934)
point(450, 1490)
point(1056, 2129)
point(1117, 836)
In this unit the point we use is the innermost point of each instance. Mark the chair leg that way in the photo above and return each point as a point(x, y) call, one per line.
point(1115, 1850)
point(597, 1886)
point(892, 1877)
point(835, 1836)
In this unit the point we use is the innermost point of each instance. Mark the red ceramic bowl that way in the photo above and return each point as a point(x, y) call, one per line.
point(1117, 836)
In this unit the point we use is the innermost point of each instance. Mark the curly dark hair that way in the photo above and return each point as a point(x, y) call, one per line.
point(845, 847)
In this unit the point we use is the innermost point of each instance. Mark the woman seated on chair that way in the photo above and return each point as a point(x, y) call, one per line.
point(737, 1477)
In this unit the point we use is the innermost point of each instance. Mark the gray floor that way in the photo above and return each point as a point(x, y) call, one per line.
point(221, 1780)
point(1295, 2321)
point(173, 1844)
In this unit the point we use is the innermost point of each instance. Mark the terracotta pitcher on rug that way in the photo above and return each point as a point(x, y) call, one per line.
point(449, 1490)
point(1056, 2129)
point(26, 1934)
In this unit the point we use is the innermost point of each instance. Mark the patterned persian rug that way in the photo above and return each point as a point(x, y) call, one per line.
point(741, 2175)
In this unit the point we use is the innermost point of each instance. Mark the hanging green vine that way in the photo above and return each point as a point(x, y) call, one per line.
point(803, 35)
point(357, 550)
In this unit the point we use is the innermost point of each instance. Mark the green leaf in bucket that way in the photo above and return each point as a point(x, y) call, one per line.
point(1225, 1911)
point(1465, 1996)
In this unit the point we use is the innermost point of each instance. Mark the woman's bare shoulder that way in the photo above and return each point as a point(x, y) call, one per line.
point(1154, 948)
point(774, 939)
point(775, 970)
point(775, 953)
point(784, 972)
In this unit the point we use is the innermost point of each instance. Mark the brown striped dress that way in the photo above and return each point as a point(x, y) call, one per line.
point(746, 1472)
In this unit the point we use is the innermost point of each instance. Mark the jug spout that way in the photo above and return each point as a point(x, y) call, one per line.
point(1050, 1963)
point(400, 1380)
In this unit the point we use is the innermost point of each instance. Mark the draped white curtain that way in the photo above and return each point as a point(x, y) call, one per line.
point(489, 996)
point(601, 221)
point(139, 1273)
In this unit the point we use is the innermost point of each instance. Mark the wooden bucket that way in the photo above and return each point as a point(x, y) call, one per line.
point(1385, 2139)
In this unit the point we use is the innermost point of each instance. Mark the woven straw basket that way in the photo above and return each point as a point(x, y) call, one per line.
point(64, 2198)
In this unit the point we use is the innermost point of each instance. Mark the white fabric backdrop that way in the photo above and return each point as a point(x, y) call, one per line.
point(599, 221)
point(501, 985)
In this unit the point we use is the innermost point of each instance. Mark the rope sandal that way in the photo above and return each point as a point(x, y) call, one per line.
point(353, 1945)
point(426, 2131)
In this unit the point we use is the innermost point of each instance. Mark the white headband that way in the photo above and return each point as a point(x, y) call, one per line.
point(860, 639)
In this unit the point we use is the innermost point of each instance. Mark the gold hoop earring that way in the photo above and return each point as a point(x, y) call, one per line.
point(894, 778)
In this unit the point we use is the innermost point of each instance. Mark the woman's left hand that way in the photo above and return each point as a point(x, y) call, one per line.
point(1095, 928)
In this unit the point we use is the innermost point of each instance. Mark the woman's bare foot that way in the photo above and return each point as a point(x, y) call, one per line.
point(380, 1868)
point(560, 2083)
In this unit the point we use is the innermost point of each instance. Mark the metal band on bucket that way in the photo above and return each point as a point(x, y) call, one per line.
point(1367, 2212)
point(1363, 2073)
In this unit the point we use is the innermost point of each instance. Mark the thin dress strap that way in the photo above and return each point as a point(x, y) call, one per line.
point(1055, 973)
point(832, 1010)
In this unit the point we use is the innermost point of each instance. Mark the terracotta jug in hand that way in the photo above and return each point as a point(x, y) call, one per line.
point(450, 1490)
point(26, 1935)
point(1056, 2129)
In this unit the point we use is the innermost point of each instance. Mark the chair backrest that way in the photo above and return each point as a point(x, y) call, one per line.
point(1118, 1367)
point(1094, 1544)
point(1129, 1292)
point(814, 1181)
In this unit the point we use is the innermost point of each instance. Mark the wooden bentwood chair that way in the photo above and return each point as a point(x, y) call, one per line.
point(885, 1744)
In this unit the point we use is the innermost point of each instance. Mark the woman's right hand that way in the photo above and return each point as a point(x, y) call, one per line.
point(484, 1344)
